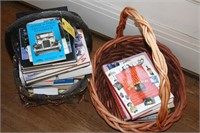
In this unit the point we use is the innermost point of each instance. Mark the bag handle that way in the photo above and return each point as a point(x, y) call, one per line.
point(157, 56)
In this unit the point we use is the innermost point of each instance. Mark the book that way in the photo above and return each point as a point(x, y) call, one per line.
point(34, 77)
point(157, 108)
point(79, 48)
point(51, 90)
point(45, 41)
point(44, 90)
point(26, 57)
point(55, 81)
point(135, 83)
point(152, 116)
point(124, 112)
point(21, 77)
point(81, 67)
point(23, 42)
point(58, 89)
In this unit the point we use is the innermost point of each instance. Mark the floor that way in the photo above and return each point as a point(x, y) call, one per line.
point(68, 117)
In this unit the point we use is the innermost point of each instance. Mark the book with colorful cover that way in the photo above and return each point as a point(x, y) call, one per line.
point(145, 117)
point(136, 83)
point(79, 48)
point(45, 41)
point(26, 57)
point(81, 67)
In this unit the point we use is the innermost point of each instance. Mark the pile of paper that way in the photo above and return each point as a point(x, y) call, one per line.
point(53, 56)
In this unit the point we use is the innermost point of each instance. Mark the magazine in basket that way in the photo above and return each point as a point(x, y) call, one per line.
point(134, 84)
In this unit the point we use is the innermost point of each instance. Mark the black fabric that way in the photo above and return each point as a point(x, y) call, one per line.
point(22, 14)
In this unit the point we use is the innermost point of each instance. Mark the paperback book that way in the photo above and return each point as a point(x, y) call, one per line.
point(45, 41)
point(26, 57)
point(81, 67)
point(78, 48)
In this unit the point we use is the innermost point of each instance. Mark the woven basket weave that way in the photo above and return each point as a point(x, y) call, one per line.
point(167, 65)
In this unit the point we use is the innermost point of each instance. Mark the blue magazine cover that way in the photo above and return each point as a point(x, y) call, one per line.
point(45, 41)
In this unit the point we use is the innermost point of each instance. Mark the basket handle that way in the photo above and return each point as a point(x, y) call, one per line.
point(157, 56)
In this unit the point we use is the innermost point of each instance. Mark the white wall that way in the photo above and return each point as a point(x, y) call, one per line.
point(175, 22)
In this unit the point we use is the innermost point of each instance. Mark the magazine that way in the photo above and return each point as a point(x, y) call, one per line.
point(136, 83)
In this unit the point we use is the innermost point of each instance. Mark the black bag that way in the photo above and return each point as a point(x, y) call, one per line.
point(12, 45)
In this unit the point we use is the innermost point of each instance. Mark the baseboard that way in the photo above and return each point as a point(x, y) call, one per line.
point(191, 74)
point(29, 5)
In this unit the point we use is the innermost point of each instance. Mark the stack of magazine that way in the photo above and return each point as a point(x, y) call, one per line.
point(134, 84)
point(53, 56)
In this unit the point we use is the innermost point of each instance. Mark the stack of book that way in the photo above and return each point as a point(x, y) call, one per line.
point(134, 84)
point(53, 56)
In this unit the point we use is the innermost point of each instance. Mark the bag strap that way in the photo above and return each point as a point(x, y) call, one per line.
point(22, 14)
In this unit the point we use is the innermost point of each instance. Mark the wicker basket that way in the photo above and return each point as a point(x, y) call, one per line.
point(167, 65)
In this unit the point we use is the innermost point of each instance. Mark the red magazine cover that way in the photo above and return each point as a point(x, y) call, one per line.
point(137, 85)
point(134, 83)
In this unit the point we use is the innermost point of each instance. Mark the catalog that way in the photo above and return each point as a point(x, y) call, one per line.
point(135, 82)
